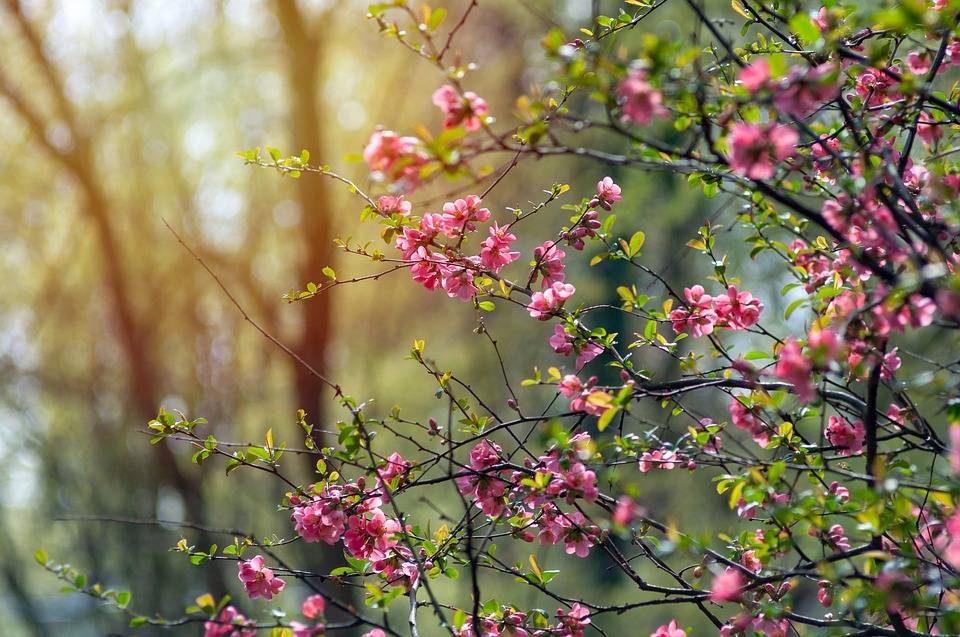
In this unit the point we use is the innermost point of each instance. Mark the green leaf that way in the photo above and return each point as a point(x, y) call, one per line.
point(636, 242)
point(606, 417)
point(803, 26)
point(123, 598)
point(437, 16)
point(793, 307)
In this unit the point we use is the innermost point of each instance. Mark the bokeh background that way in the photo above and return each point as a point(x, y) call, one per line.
point(117, 115)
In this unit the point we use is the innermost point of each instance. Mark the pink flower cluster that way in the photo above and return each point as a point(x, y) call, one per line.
point(230, 623)
point(486, 487)
point(639, 100)
point(469, 109)
point(669, 630)
point(565, 343)
point(846, 437)
point(745, 418)
point(435, 265)
point(732, 311)
point(545, 304)
point(396, 159)
point(755, 150)
point(258, 580)
point(584, 396)
point(742, 624)
point(800, 93)
point(658, 459)
point(608, 193)
point(727, 586)
point(876, 88)
point(562, 478)
point(349, 514)
point(548, 262)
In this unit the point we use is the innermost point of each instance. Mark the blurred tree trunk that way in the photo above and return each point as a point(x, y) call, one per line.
point(303, 46)
point(304, 41)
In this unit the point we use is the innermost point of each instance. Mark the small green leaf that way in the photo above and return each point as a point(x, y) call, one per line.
point(123, 598)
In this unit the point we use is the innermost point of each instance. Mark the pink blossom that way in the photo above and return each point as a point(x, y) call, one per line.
point(805, 89)
point(397, 567)
point(566, 344)
point(548, 259)
point(795, 368)
point(321, 519)
point(875, 87)
point(951, 552)
point(570, 386)
point(561, 341)
point(427, 268)
point(461, 216)
point(837, 538)
point(626, 512)
point(746, 418)
point(457, 280)
point(771, 627)
point(737, 310)
point(750, 560)
point(485, 486)
point(699, 317)
point(846, 437)
point(592, 401)
point(639, 100)
point(394, 468)
point(394, 205)
point(314, 607)
point(395, 158)
point(839, 492)
point(726, 586)
point(495, 251)
point(544, 304)
point(230, 623)
point(579, 535)
point(919, 62)
point(574, 621)
point(376, 632)
point(370, 535)
point(824, 594)
point(469, 110)
point(576, 480)
point(824, 152)
point(928, 129)
point(755, 76)
point(258, 580)
point(891, 363)
point(822, 19)
point(825, 345)
point(755, 149)
point(608, 193)
point(657, 459)
point(302, 630)
point(669, 630)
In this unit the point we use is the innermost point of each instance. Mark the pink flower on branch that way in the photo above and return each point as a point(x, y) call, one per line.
point(727, 586)
point(258, 580)
point(639, 101)
point(669, 630)
point(469, 109)
point(545, 304)
point(755, 150)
